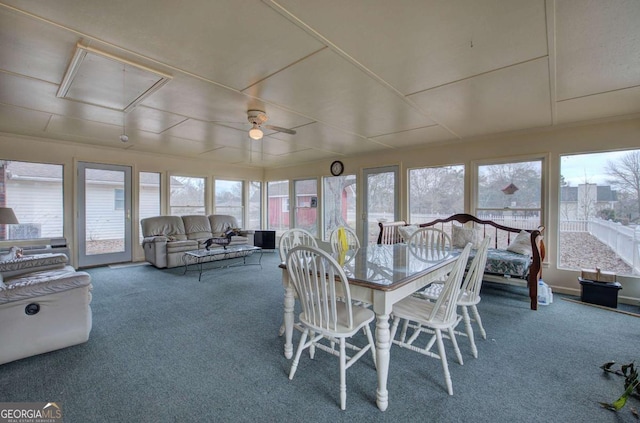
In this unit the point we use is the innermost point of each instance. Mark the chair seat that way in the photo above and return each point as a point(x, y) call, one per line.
point(418, 310)
point(361, 317)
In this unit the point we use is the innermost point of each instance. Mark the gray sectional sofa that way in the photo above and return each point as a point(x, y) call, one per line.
point(167, 238)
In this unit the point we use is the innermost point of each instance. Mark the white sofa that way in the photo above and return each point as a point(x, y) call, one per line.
point(44, 306)
point(167, 238)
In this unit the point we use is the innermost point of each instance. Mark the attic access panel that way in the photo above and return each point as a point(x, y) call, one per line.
point(96, 78)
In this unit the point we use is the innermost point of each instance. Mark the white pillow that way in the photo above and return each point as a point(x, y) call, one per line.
point(521, 244)
point(407, 231)
point(462, 236)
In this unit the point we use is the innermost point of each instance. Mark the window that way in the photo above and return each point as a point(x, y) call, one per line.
point(278, 206)
point(599, 212)
point(306, 209)
point(118, 199)
point(338, 203)
point(435, 192)
point(149, 196)
point(34, 192)
point(511, 193)
point(187, 195)
point(228, 199)
point(255, 205)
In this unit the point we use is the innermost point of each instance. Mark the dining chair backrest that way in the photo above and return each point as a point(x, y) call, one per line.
point(352, 240)
point(293, 238)
point(444, 309)
point(473, 279)
point(430, 244)
point(321, 285)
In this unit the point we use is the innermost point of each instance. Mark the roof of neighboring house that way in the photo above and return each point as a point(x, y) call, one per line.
point(26, 170)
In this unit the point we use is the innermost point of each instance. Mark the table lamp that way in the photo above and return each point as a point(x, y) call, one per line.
point(7, 216)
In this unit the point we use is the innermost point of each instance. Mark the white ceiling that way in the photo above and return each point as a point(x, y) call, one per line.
point(350, 77)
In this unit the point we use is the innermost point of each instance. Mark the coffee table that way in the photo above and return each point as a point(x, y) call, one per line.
point(214, 255)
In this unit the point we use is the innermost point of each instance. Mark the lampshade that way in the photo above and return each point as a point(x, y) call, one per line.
point(7, 216)
point(255, 133)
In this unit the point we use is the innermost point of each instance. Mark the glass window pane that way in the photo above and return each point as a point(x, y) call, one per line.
point(599, 212)
point(306, 211)
point(187, 196)
point(278, 206)
point(435, 192)
point(228, 199)
point(338, 203)
point(255, 205)
point(149, 196)
point(34, 192)
point(511, 193)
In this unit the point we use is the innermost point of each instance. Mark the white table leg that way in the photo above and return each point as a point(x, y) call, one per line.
point(383, 345)
point(289, 302)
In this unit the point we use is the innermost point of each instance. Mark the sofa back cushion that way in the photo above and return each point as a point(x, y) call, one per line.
point(170, 226)
point(221, 222)
point(197, 227)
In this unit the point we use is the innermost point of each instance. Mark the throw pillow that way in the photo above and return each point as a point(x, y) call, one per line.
point(407, 231)
point(521, 244)
point(462, 236)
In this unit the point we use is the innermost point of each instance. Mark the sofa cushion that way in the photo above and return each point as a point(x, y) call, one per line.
point(180, 246)
point(221, 222)
point(197, 227)
point(461, 236)
point(42, 283)
point(170, 226)
point(521, 244)
point(32, 263)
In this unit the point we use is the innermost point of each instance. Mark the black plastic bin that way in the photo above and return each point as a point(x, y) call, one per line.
point(601, 293)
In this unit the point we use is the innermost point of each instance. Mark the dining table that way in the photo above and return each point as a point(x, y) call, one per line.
point(380, 275)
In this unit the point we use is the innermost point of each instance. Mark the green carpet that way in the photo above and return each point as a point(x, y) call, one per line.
point(167, 348)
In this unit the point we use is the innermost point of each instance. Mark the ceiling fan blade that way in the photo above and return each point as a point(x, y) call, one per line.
point(279, 129)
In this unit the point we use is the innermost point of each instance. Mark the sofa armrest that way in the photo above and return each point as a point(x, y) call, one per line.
point(32, 263)
point(43, 283)
point(155, 238)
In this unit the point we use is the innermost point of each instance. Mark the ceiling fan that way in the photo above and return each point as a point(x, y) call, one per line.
point(257, 118)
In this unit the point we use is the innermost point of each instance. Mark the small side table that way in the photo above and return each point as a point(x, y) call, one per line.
point(600, 293)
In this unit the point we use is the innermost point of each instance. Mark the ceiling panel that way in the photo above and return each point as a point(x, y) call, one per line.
point(12, 118)
point(596, 46)
point(337, 93)
point(615, 103)
point(416, 45)
point(34, 48)
point(415, 137)
point(233, 42)
point(323, 137)
point(152, 120)
point(505, 100)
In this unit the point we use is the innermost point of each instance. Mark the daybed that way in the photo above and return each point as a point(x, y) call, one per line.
point(44, 306)
point(514, 258)
point(167, 238)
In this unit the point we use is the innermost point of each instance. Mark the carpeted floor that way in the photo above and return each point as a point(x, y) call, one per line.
point(167, 348)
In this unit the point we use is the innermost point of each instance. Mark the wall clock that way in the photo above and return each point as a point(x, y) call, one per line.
point(337, 168)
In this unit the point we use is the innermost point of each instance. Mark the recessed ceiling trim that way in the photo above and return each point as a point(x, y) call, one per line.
point(143, 82)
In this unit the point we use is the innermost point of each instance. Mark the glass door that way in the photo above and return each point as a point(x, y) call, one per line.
point(381, 199)
point(104, 214)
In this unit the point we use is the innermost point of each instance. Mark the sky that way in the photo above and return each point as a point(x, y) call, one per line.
point(590, 167)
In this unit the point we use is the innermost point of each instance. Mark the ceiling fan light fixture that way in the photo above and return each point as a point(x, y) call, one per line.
point(255, 133)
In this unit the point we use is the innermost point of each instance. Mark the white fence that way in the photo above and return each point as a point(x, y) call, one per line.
point(623, 240)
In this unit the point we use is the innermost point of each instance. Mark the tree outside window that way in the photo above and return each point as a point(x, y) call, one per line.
point(435, 192)
point(228, 199)
point(338, 203)
point(187, 195)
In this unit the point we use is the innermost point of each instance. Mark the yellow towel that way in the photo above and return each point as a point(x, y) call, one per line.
point(343, 245)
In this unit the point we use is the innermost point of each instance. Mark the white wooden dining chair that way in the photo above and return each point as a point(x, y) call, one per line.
point(318, 280)
point(432, 318)
point(469, 296)
point(352, 239)
point(429, 244)
point(289, 239)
